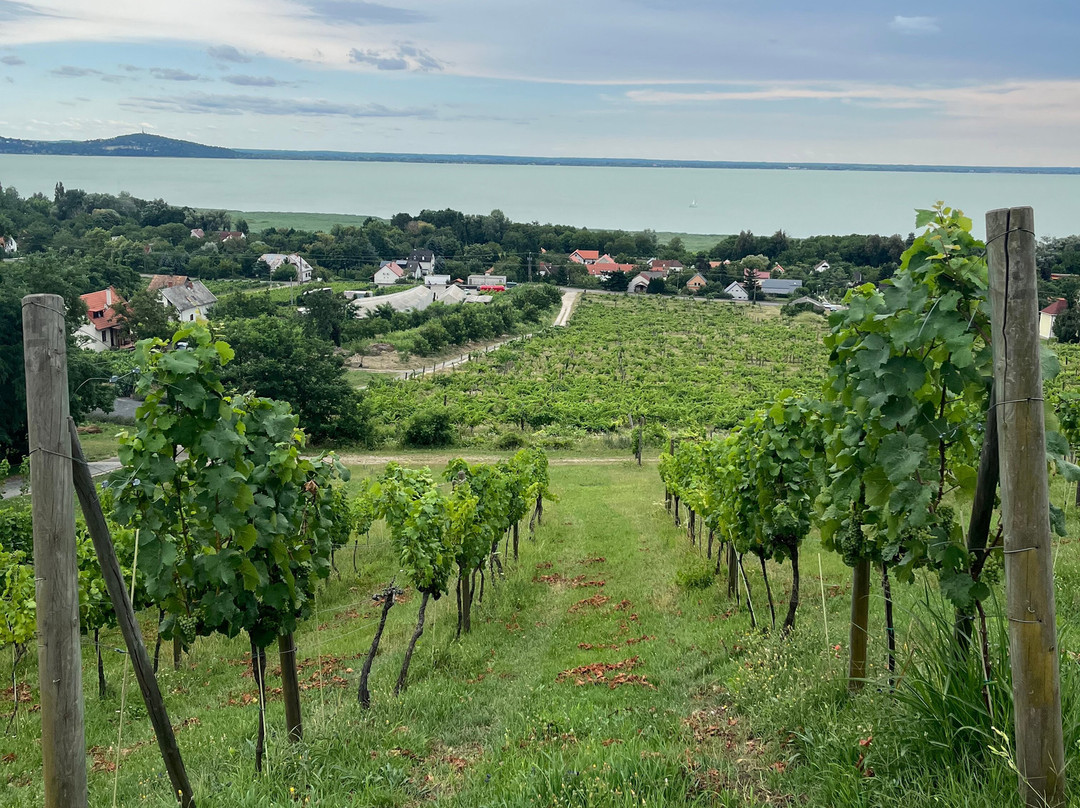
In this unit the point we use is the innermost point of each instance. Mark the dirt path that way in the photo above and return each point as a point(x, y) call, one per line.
point(569, 298)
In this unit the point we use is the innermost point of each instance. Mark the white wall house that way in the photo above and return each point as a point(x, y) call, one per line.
point(103, 328)
point(639, 285)
point(10, 245)
point(388, 274)
point(303, 268)
point(425, 261)
point(191, 300)
point(736, 291)
point(1049, 314)
point(437, 280)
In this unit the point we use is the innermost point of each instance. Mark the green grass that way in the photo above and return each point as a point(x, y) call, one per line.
point(316, 222)
point(736, 717)
point(692, 242)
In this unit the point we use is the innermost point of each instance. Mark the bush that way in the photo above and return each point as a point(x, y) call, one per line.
point(429, 428)
point(695, 576)
point(511, 440)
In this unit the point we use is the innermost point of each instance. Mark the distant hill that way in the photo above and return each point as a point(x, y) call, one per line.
point(135, 145)
point(143, 145)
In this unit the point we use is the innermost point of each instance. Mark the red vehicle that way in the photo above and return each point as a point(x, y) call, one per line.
point(492, 288)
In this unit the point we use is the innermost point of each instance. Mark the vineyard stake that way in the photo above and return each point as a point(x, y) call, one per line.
point(824, 613)
point(63, 739)
point(129, 625)
point(860, 615)
point(1029, 578)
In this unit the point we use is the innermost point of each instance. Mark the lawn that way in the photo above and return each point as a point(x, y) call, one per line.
point(605, 670)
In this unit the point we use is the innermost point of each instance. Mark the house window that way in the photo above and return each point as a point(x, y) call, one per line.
point(192, 318)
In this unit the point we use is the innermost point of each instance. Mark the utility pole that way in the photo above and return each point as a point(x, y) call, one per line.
point(1029, 567)
point(530, 267)
point(63, 741)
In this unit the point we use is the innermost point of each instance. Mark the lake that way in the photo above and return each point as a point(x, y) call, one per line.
point(693, 200)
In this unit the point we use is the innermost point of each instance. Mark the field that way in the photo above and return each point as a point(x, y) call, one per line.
point(605, 670)
point(678, 362)
point(317, 222)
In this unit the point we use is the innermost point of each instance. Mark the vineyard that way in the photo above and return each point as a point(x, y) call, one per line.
point(681, 363)
point(814, 596)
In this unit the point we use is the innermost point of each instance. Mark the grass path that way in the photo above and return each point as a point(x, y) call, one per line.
point(606, 669)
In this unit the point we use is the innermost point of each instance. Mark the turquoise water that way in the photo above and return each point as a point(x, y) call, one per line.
point(801, 202)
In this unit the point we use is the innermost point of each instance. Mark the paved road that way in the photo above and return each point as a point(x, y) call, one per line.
point(12, 487)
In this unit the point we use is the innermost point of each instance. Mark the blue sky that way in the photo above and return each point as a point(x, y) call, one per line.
point(986, 82)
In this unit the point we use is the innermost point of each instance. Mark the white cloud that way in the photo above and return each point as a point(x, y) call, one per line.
point(915, 26)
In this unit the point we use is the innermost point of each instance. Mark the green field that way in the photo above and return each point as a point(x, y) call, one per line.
point(317, 222)
point(692, 709)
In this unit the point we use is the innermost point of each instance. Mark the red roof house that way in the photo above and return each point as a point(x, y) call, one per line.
point(585, 256)
point(104, 327)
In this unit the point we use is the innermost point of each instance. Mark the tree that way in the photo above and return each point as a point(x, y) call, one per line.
point(751, 283)
point(327, 315)
point(144, 317)
point(276, 359)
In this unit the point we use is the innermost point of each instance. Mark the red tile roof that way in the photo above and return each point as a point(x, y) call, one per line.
point(587, 255)
point(166, 281)
point(1059, 306)
point(607, 269)
point(107, 315)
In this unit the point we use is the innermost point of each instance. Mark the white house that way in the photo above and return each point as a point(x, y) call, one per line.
point(639, 285)
point(486, 280)
point(437, 280)
point(821, 267)
point(1049, 314)
point(275, 260)
point(736, 291)
point(103, 329)
point(388, 274)
point(11, 246)
point(191, 300)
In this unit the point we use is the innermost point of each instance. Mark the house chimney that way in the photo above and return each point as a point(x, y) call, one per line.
point(108, 297)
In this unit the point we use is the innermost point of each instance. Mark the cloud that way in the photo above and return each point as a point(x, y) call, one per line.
point(241, 104)
point(72, 72)
point(358, 12)
point(227, 53)
point(914, 26)
point(12, 11)
point(12, 60)
point(401, 57)
point(173, 74)
point(256, 81)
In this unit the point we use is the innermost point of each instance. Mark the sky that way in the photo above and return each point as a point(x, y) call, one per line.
point(963, 83)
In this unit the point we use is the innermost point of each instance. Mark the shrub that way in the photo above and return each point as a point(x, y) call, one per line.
point(695, 576)
point(511, 440)
point(429, 428)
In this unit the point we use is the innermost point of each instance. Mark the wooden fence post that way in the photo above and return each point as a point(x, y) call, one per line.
point(1025, 500)
point(129, 626)
point(860, 622)
point(63, 741)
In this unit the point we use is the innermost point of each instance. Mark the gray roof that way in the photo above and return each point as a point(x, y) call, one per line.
point(416, 299)
point(779, 286)
point(190, 295)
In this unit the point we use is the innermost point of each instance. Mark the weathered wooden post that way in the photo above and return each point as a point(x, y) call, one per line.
point(860, 621)
point(1025, 499)
point(129, 626)
point(63, 742)
point(290, 686)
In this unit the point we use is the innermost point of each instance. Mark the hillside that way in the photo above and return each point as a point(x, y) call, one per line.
point(138, 144)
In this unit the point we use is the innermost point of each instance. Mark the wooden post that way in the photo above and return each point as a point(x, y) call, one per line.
point(1025, 498)
point(129, 626)
point(290, 686)
point(63, 741)
point(860, 619)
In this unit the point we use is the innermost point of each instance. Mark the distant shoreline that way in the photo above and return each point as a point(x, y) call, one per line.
point(143, 145)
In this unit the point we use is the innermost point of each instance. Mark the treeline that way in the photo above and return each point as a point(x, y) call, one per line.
point(135, 236)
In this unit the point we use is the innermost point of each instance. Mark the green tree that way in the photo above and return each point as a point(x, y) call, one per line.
point(144, 317)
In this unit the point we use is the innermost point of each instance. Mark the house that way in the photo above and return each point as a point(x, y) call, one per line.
point(778, 287)
point(230, 235)
point(388, 274)
point(425, 259)
point(190, 299)
point(1049, 314)
point(737, 291)
point(821, 267)
point(779, 270)
point(585, 256)
point(762, 274)
point(639, 285)
point(197, 233)
point(275, 260)
point(696, 283)
point(437, 280)
point(103, 330)
point(543, 269)
point(486, 280)
point(606, 259)
point(718, 264)
point(667, 266)
point(10, 245)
